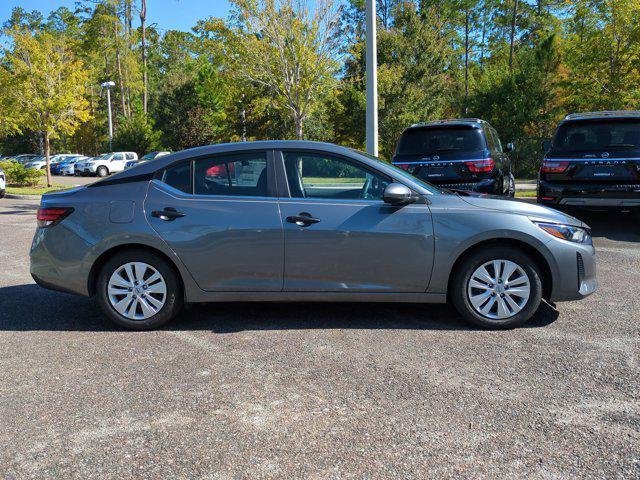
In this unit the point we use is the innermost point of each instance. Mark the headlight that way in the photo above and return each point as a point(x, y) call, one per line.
point(566, 232)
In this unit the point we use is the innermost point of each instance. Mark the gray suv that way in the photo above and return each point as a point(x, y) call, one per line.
point(302, 221)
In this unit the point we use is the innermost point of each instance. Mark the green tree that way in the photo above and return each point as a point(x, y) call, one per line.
point(291, 52)
point(44, 85)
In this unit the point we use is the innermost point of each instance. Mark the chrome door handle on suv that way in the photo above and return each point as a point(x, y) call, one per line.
point(168, 214)
point(304, 219)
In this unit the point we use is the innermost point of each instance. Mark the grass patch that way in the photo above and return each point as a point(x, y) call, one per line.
point(332, 180)
point(38, 190)
point(526, 193)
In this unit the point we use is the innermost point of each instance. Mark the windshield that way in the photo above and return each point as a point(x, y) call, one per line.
point(401, 173)
point(430, 140)
point(588, 135)
point(104, 156)
point(149, 156)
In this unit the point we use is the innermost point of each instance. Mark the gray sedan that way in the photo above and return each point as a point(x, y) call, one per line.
point(302, 221)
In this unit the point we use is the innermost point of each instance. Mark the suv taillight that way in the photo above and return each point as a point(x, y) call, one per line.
point(47, 217)
point(481, 166)
point(403, 166)
point(549, 166)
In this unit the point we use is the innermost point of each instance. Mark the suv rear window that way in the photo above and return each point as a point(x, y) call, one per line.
point(440, 139)
point(589, 135)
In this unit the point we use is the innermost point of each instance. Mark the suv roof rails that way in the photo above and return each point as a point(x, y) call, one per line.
point(446, 120)
point(604, 114)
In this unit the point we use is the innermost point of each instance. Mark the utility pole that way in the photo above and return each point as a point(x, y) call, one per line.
point(372, 79)
point(108, 86)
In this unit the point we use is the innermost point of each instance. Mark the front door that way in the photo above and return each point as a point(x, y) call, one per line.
point(339, 234)
point(220, 216)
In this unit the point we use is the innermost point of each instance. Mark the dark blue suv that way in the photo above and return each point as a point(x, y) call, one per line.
point(458, 154)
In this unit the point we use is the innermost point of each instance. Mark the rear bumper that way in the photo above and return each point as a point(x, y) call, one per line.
point(488, 185)
point(589, 195)
point(57, 257)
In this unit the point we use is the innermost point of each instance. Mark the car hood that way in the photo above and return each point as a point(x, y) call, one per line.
point(518, 207)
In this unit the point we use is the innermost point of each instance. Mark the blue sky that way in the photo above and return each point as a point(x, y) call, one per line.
point(168, 14)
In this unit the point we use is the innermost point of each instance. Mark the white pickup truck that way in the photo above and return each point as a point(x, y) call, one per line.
point(105, 164)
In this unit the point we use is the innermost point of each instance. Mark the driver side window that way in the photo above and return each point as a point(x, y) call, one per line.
point(316, 175)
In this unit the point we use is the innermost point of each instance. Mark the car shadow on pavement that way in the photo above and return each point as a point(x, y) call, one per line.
point(29, 307)
point(19, 208)
point(613, 225)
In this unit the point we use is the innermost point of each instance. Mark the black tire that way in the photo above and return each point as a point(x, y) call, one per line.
point(462, 275)
point(174, 297)
point(512, 186)
point(2, 193)
point(102, 171)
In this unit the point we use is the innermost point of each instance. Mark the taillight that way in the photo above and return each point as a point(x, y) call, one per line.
point(481, 166)
point(404, 166)
point(47, 217)
point(550, 166)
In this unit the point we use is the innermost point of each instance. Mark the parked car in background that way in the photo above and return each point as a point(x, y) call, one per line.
point(24, 158)
point(146, 158)
point(458, 154)
point(35, 162)
point(105, 164)
point(593, 160)
point(3, 183)
point(302, 221)
point(67, 166)
point(40, 163)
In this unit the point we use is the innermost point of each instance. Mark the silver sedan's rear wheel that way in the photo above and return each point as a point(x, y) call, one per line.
point(137, 291)
point(496, 286)
point(499, 289)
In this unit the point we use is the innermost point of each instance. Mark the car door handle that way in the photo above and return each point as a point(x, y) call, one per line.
point(168, 214)
point(303, 220)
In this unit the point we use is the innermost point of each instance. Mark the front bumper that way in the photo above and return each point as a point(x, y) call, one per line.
point(85, 171)
point(589, 194)
point(575, 275)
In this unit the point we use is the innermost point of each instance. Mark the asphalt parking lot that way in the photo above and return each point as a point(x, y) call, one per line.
point(320, 391)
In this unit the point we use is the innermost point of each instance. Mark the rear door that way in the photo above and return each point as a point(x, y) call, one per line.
point(339, 234)
point(220, 215)
point(116, 164)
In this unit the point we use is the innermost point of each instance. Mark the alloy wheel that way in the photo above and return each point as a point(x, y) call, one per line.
point(137, 291)
point(499, 289)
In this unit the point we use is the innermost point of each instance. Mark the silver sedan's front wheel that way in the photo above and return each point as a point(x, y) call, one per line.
point(497, 286)
point(499, 289)
point(137, 291)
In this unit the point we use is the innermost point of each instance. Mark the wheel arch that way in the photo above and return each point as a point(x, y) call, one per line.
point(533, 252)
point(92, 279)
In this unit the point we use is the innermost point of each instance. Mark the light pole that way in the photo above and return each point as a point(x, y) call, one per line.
point(108, 86)
point(372, 79)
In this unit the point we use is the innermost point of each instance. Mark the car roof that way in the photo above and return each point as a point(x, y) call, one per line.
point(605, 114)
point(467, 122)
point(162, 162)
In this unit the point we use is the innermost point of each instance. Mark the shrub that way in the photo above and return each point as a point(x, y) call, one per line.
point(20, 176)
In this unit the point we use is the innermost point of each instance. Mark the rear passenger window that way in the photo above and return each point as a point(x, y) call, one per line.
point(178, 177)
point(497, 142)
point(237, 175)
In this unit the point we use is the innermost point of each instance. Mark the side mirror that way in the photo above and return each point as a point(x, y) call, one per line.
point(510, 147)
point(546, 145)
point(398, 194)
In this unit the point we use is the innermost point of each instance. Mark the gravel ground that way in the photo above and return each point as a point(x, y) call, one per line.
point(320, 391)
